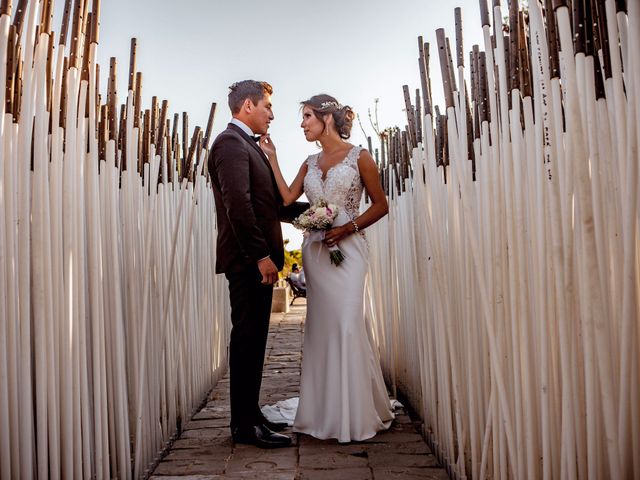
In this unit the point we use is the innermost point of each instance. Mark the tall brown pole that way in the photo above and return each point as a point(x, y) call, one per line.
point(112, 98)
point(18, 18)
point(76, 30)
point(95, 22)
point(46, 16)
point(444, 68)
point(5, 7)
point(459, 40)
point(207, 134)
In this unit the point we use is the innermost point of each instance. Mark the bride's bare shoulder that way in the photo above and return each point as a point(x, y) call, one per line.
point(308, 160)
point(304, 166)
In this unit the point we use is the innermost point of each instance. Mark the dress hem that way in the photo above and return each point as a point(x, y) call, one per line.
point(366, 436)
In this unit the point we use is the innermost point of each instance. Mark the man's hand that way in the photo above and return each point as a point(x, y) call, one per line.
point(268, 270)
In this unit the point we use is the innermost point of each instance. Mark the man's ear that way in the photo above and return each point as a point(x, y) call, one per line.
point(247, 105)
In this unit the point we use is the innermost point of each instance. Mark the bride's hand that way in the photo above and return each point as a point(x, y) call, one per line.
point(332, 237)
point(267, 146)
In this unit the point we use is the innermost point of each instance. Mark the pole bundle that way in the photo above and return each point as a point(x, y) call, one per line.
point(511, 314)
point(113, 324)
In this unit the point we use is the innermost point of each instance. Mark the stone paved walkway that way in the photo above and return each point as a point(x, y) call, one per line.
point(205, 450)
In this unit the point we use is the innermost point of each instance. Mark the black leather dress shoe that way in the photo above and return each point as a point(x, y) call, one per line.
point(274, 426)
point(260, 436)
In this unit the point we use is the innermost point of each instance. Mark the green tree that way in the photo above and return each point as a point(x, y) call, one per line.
point(290, 257)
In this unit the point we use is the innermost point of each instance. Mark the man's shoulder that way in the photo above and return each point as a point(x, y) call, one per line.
point(228, 139)
point(227, 134)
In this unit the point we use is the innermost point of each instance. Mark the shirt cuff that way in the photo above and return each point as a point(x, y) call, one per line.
point(264, 258)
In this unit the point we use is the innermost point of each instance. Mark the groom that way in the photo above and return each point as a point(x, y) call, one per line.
point(250, 251)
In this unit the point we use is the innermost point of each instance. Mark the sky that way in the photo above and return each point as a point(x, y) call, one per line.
point(190, 51)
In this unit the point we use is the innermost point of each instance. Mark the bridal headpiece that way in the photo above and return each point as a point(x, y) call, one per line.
point(332, 104)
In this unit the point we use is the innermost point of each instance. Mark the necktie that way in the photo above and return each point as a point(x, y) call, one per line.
point(256, 138)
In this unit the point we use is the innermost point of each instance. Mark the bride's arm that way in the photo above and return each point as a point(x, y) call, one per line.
point(379, 206)
point(290, 193)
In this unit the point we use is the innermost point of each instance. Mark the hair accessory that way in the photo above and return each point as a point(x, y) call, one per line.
point(324, 105)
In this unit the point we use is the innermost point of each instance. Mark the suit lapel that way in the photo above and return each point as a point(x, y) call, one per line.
point(255, 145)
point(250, 141)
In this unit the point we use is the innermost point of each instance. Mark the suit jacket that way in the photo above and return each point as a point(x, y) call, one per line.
point(248, 205)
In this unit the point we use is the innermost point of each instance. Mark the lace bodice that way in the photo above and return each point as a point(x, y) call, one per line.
point(342, 185)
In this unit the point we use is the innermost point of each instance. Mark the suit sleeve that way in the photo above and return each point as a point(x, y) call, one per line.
point(290, 212)
point(231, 161)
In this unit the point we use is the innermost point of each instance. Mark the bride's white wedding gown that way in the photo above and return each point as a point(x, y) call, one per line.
point(342, 392)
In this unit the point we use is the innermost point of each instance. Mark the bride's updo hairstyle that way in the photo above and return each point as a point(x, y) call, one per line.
point(324, 104)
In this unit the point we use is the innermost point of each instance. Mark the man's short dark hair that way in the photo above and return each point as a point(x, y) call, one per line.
point(252, 89)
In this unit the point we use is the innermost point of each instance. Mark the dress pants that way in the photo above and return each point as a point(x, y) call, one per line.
point(250, 312)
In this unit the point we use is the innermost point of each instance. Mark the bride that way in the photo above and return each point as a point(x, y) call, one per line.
point(342, 392)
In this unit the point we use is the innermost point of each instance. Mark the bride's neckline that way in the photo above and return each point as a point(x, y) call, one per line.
point(323, 175)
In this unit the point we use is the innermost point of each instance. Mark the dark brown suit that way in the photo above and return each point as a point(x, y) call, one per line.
point(249, 210)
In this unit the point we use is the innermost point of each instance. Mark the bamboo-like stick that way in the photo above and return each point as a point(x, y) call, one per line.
point(10, 71)
point(153, 123)
point(185, 146)
point(445, 67)
point(5, 7)
point(413, 134)
point(74, 423)
point(207, 133)
point(18, 19)
point(532, 193)
point(112, 99)
point(517, 248)
point(132, 64)
point(46, 16)
point(189, 159)
point(146, 141)
point(422, 66)
point(76, 32)
point(5, 309)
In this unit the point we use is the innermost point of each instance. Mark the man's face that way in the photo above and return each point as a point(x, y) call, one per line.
point(261, 115)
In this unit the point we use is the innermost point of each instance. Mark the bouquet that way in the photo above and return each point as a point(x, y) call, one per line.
point(315, 221)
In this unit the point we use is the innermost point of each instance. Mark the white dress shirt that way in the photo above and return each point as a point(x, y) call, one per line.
point(243, 126)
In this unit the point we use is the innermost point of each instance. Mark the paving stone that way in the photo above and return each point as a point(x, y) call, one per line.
point(281, 366)
point(185, 477)
point(400, 459)
point(205, 450)
point(395, 437)
point(213, 412)
point(211, 452)
point(323, 447)
point(332, 460)
point(206, 433)
point(261, 475)
point(409, 473)
point(256, 459)
point(410, 448)
point(198, 423)
point(336, 474)
point(403, 419)
point(200, 466)
point(220, 442)
point(309, 440)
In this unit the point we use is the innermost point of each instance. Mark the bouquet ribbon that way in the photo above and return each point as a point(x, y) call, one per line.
point(318, 236)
